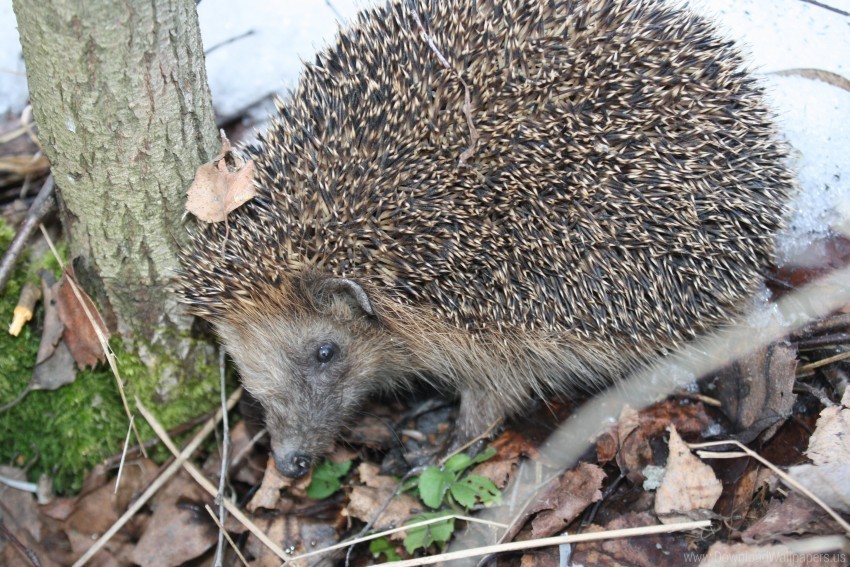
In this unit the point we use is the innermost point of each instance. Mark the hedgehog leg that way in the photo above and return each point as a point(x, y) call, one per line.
point(478, 413)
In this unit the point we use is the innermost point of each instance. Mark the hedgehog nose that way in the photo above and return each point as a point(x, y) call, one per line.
point(294, 464)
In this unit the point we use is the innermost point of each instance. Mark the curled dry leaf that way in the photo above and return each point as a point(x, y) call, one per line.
point(638, 430)
point(829, 450)
point(755, 392)
point(563, 502)
point(688, 485)
point(54, 364)
point(221, 185)
point(79, 334)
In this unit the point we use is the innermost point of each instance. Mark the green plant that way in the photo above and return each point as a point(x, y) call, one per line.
point(326, 479)
point(449, 489)
point(383, 545)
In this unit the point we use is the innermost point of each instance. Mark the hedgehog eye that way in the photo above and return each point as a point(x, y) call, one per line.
point(325, 353)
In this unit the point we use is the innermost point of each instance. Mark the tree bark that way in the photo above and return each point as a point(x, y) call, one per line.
point(120, 96)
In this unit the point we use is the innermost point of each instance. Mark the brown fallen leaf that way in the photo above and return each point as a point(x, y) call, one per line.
point(829, 450)
point(637, 431)
point(669, 550)
point(688, 486)
point(180, 528)
point(562, 503)
point(365, 500)
point(54, 364)
point(755, 392)
point(79, 334)
point(268, 495)
point(510, 446)
point(793, 515)
point(221, 185)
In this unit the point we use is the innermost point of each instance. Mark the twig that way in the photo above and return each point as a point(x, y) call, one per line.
point(175, 465)
point(818, 363)
point(123, 456)
point(788, 479)
point(26, 551)
point(39, 209)
point(550, 541)
point(824, 341)
point(471, 442)
point(17, 400)
point(826, 7)
point(225, 443)
point(101, 337)
point(206, 484)
point(19, 484)
point(226, 535)
point(396, 530)
point(153, 441)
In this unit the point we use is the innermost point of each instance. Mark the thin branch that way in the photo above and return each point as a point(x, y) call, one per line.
point(226, 535)
point(175, 465)
point(123, 456)
point(39, 209)
point(207, 485)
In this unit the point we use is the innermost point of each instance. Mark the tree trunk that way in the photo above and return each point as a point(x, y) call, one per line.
point(120, 96)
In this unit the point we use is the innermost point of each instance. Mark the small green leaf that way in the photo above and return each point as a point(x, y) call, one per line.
point(475, 487)
point(484, 455)
point(326, 479)
point(433, 484)
point(423, 537)
point(383, 545)
point(458, 462)
point(463, 494)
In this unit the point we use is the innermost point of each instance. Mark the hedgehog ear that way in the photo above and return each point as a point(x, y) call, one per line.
point(352, 290)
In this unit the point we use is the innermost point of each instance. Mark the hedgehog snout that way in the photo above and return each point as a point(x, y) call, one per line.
point(293, 464)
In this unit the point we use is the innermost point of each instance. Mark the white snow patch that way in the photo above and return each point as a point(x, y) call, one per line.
point(13, 81)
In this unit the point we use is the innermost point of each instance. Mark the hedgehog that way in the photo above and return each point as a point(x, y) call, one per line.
point(507, 199)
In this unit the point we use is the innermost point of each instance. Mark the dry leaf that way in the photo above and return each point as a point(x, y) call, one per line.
point(563, 502)
point(666, 550)
point(509, 446)
point(794, 515)
point(221, 185)
point(54, 365)
point(829, 450)
point(268, 495)
point(637, 431)
point(830, 443)
point(180, 528)
point(755, 392)
point(80, 335)
point(688, 485)
point(365, 500)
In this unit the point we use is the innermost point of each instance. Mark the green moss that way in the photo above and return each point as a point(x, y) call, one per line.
point(73, 428)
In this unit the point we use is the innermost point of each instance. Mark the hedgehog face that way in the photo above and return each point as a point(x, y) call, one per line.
point(310, 368)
